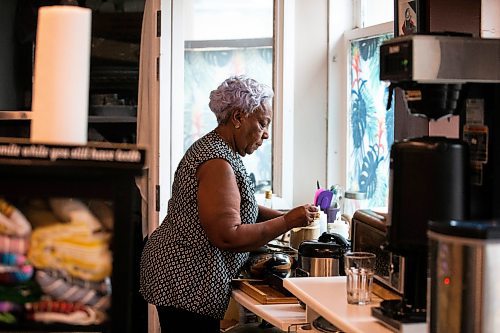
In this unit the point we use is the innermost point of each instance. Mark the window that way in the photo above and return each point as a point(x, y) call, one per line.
point(370, 125)
point(374, 12)
point(223, 38)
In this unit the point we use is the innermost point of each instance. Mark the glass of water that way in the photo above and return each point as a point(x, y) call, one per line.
point(359, 268)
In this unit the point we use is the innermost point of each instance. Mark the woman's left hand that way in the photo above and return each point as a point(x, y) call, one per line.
point(301, 216)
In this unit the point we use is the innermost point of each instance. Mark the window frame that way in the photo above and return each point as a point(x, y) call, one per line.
point(368, 32)
point(354, 35)
point(283, 108)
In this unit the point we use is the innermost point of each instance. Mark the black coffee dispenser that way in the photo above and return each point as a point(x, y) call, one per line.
point(430, 177)
point(429, 181)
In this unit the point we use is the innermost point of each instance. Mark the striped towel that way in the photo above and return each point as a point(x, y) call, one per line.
point(59, 289)
point(49, 311)
point(102, 287)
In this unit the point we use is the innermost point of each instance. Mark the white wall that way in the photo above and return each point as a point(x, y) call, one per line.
point(490, 18)
point(320, 119)
point(310, 107)
point(341, 19)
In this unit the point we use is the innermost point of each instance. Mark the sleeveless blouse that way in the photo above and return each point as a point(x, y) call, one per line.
point(179, 266)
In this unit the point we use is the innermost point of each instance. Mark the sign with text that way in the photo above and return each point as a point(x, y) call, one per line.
point(94, 153)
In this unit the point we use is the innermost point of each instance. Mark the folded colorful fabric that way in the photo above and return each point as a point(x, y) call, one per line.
point(21, 293)
point(15, 274)
point(63, 312)
point(58, 289)
point(48, 305)
point(14, 244)
point(6, 306)
point(72, 247)
point(7, 318)
point(13, 259)
point(102, 287)
point(12, 221)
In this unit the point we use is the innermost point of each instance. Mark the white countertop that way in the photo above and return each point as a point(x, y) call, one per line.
point(281, 316)
point(327, 297)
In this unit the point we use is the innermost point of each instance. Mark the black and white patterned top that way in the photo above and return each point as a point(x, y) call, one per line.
point(179, 266)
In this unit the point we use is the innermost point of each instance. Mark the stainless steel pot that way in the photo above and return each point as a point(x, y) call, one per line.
point(324, 257)
point(464, 271)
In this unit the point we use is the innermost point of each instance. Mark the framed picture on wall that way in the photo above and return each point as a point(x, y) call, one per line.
point(408, 17)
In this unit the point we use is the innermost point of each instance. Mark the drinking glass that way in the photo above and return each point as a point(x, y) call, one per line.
point(359, 268)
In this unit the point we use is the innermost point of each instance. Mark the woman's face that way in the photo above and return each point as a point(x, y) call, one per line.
point(254, 130)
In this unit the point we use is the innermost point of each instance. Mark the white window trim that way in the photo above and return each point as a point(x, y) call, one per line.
point(284, 100)
point(341, 18)
point(375, 30)
point(163, 148)
point(177, 86)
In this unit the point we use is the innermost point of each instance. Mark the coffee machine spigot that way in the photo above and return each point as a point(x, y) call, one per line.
point(431, 101)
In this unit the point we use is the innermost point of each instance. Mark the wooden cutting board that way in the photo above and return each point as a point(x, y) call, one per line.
point(263, 293)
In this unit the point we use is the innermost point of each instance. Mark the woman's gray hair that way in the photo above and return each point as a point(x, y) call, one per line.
point(239, 92)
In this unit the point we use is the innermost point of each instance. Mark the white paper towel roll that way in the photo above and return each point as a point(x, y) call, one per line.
point(61, 75)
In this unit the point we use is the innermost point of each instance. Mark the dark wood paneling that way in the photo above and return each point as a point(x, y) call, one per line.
point(454, 15)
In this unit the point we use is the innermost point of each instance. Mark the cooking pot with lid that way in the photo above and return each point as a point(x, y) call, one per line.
point(262, 265)
point(324, 257)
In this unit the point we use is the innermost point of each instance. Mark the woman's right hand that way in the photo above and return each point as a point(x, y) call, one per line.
point(301, 216)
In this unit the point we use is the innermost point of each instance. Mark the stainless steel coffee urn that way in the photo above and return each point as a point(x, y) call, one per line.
point(464, 273)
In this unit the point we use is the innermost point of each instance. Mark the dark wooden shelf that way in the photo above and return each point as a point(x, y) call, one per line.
point(112, 119)
point(27, 115)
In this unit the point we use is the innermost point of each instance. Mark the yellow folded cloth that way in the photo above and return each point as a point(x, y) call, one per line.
point(74, 248)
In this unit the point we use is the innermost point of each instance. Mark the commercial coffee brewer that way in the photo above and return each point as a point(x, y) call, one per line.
point(439, 178)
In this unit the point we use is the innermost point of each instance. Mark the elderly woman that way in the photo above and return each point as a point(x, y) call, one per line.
point(189, 261)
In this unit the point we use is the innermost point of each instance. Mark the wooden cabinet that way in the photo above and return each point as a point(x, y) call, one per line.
point(114, 67)
point(114, 74)
point(91, 174)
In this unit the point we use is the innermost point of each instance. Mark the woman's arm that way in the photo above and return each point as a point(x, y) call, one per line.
point(219, 212)
point(266, 213)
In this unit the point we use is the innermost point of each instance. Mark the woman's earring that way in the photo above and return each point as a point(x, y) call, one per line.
point(237, 126)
